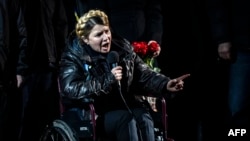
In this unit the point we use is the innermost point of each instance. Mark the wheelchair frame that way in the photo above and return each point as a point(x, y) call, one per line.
point(59, 130)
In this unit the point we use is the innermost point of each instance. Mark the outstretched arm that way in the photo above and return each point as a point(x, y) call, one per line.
point(175, 85)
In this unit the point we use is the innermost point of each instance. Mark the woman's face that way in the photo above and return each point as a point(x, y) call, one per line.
point(99, 38)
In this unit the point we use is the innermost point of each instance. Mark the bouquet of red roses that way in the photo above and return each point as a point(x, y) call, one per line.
point(146, 52)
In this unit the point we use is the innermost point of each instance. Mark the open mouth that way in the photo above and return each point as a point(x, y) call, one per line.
point(106, 45)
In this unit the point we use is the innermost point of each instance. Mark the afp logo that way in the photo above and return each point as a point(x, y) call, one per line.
point(237, 132)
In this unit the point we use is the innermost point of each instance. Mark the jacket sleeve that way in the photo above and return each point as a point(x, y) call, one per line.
point(22, 66)
point(77, 83)
point(150, 81)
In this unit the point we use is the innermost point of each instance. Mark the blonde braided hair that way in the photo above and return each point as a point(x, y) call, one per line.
point(86, 22)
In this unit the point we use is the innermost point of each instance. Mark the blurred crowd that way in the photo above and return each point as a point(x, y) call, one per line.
point(209, 39)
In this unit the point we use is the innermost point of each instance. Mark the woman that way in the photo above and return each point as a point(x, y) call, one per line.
point(89, 71)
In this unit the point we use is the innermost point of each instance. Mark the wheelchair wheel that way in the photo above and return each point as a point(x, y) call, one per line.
point(59, 131)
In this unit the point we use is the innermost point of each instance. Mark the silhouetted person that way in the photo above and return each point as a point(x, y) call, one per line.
point(187, 48)
point(46, 24)
point(230, 27)
point(13, 44)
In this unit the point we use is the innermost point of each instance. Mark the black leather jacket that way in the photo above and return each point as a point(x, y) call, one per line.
point(13, 42)
point(84, 75)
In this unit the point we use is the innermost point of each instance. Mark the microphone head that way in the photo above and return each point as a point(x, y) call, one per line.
point(113, 57)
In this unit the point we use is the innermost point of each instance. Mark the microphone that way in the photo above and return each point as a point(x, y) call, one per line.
point(113, 59)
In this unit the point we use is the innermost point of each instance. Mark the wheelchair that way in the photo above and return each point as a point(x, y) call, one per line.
point(78, 122)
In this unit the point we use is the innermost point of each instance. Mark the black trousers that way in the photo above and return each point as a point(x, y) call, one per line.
point(40, 103)
point(3, 102)
point(121, 125)
point(9, 111)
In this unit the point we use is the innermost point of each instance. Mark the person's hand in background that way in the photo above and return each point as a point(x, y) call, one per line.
point(224, 51)
point(19, 80)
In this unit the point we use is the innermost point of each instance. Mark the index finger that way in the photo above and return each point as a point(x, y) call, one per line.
point(182, 77)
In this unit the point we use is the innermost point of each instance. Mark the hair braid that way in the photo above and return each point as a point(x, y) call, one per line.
point(83, 20)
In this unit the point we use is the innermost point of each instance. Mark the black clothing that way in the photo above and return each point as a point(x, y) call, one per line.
point(75, 8)
point(84, 74)
point(230, 20)
point(230, 23)
point(136, 74)
point(46, 31)
point(121, 118)
point(187, 48)
point(135, 20)
point(46, 23)
point(12, 52)
point(40, 103)
point(13, 41)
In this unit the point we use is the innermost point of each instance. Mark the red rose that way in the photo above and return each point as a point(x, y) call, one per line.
point(146, 51)
point(153, 47)
point(140, 48)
